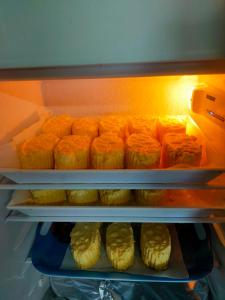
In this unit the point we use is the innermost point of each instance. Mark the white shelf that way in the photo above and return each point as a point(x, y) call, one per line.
point(20, 217)
point(156, 176)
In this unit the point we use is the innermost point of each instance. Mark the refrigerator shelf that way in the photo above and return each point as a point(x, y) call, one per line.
point(8, 185)
point(180, 205)
point(153, 176)
point(15, 216)
point(49, 250)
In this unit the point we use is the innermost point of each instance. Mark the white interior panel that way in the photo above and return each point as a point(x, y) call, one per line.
point(154, 95)
point(27, 90)
point(15, 114)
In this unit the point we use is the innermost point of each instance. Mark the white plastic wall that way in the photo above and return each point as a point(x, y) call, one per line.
point(155, 95)
point(21, 101)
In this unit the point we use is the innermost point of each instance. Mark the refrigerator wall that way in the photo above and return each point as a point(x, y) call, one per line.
point(18, 276)
point(22, 104)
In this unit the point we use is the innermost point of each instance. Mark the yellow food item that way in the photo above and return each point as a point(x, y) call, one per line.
point(180, 149)
point(37, 153)
point(120, 245)
point(72, 152)
point(82, 196)
point(85, 126)
point(142, 152)
point(114, 197)
point(150, 197)
point(58, 125)
point(86, 244)
point(143, 124)
point(113, 124)
point(155, 245)
point(171, 124)
point(107, 152)
point(48, 196)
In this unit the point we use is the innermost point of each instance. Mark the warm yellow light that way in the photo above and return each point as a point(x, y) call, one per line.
point(181, 92)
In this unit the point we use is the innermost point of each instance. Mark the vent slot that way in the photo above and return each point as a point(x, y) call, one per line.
point(211, 98)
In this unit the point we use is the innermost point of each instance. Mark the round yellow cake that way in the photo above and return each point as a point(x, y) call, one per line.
point(72, 152)
point(155, 245)
point(85, 126)
point(142, 152)
point(58, 125)
point(107, 152)
point(86, 244)
point(37, 153)
point(48, 196)
point(82, 196)
point(113, 124)
point(142, 124)
point(120, 245)
point(170, 124)
point(114, 197)
point(180, 149)
point(150, 197)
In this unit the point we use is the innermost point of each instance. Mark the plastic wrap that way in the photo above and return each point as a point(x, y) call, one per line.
point(71, 289)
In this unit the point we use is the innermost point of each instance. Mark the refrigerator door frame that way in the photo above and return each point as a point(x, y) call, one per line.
point(210, 66)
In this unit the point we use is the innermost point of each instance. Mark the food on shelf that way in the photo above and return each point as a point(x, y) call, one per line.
point(114, 197)
point(170, 124)
point(113, 124)
point(107, 152)
point(86, 244)
point(120, 245)
point(72, 152)
point(82, 196)
point(142, 152)
point(180, 149)
point(48, 196)
point(150, 197)
point(58, 125)
point(85, 126)
point(37, 152)
point(155, 245)
point(143, 124)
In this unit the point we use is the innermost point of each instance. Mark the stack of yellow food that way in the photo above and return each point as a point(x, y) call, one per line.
point(85, 126)
point(171, 124)
point(37, 153)
point(72, 152)
point(180, 149)
point(58, 125)
point(114, 197)
point(143, 124)
point(107, 152)
point(155, 245)
point(120, 245)
point(113, 124)
point(150, 197)
point(142, 152)
point(86, 244)
point(86, 149)
point(82, 196)
point(48, 196)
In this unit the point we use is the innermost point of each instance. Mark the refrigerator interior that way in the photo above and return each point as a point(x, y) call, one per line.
point(24, 103)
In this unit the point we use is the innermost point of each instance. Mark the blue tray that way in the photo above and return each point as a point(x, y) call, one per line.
point(48, 252)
